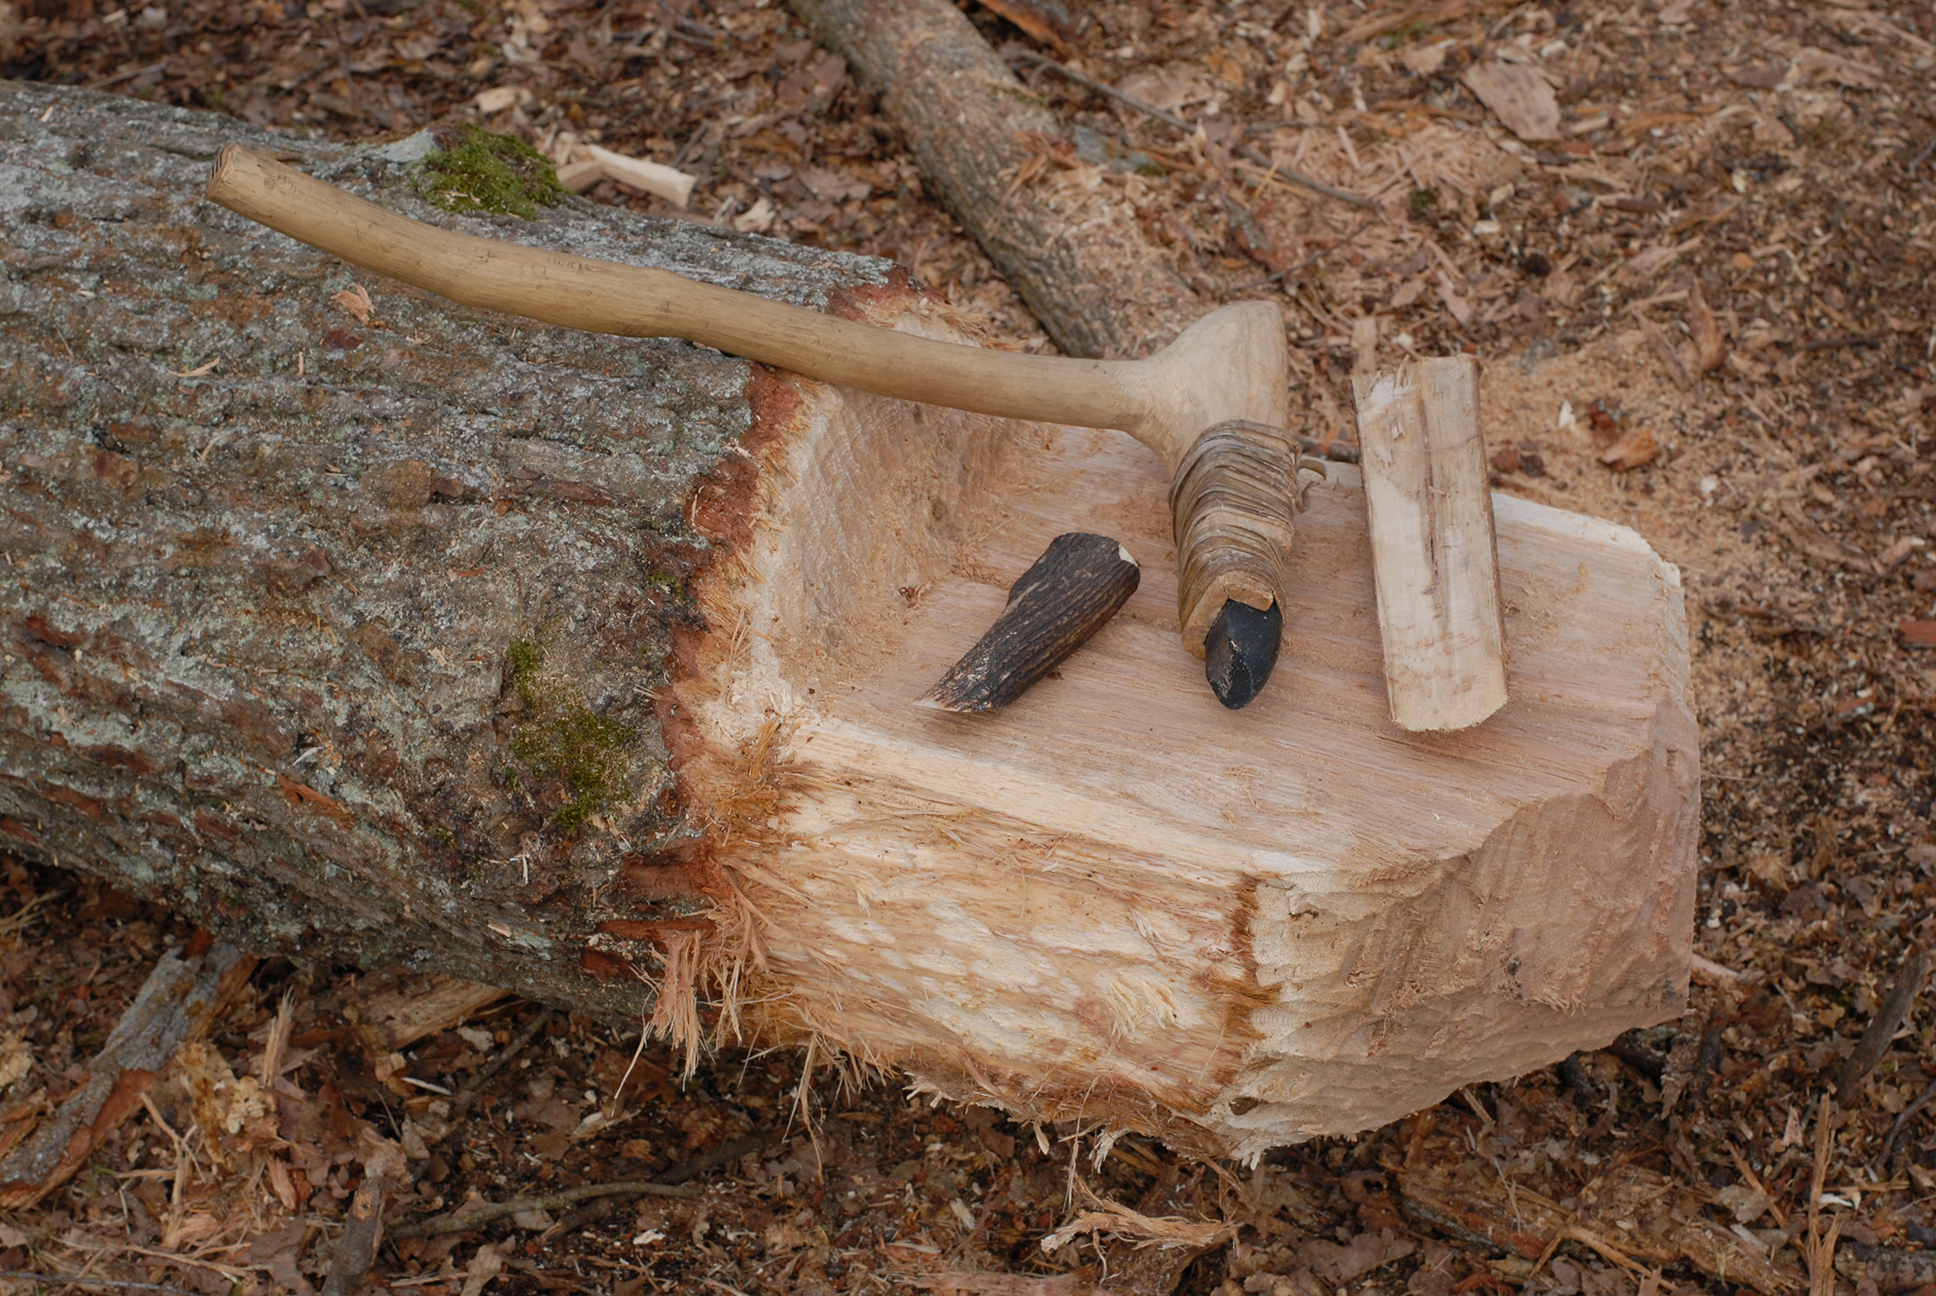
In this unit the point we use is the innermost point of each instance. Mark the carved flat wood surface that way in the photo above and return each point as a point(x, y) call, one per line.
point(1115, 898)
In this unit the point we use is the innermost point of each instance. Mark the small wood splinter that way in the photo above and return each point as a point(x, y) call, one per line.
point(1069, 594)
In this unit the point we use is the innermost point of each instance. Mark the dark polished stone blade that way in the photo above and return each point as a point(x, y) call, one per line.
point(1241, 650)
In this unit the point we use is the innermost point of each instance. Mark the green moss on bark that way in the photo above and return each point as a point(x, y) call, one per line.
point(490, 173)
point(561, 738)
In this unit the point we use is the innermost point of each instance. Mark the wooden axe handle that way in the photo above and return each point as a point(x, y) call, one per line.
point(634, 301)
point(1230, 365)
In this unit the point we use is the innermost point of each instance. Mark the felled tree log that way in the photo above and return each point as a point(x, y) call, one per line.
point(341, 624)
point(989, 148)
point(586, 668)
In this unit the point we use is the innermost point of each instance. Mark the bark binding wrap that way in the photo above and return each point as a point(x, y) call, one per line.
point(1233, 504)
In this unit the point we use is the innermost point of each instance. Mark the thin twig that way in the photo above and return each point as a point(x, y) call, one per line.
point(1908, 1114)
point(1310, 259)
point(76, 1280)
point(483, 1215)
point(1882, 1028)
point(669, 1184)
point(1190, 128)
point(125, 74)
point(463, 1101)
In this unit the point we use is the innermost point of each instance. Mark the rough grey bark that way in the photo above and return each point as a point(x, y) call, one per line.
point(1078, 258)
point(344, 634)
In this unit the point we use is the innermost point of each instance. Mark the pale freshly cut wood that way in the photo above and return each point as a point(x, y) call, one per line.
point(665, 182)
point(1115, 900)
point(1518, 96)
point(400, 1008)
point(581, 174)
point(1430, 505)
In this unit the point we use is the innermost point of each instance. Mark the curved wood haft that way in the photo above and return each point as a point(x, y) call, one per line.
point(1229, 366)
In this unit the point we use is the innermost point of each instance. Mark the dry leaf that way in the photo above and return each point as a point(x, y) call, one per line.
point(1461, 308)
point(1225, 67)
point(1645, 265)
point(1819, 65)
point(1917, 634)
point(281, 1184)
point(1425, 60)
point(1518, 96)
point(1172, 86)
point(834, 186)
point(1340, 1265)
point(486, 1265)
point(1048, 21)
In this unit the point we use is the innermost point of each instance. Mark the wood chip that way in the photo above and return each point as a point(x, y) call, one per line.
point(1710, 342)
point(1434, 560)
point(1631, 451)
point(1518, 96)
point(649, 177)
point(398, 1014)
point(581, 175)
point(1917, 634)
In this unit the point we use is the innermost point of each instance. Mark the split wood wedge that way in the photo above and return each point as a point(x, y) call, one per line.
point(1212, 404)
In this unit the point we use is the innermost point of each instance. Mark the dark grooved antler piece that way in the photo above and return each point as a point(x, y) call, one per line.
point(1241, 650)
point(1069, 594)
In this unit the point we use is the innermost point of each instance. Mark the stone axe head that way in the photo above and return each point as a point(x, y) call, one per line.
point(1211, 404)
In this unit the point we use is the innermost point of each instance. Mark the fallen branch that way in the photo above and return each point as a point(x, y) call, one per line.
point(1085, 267)
point(357, 1247)
point(174, 1005)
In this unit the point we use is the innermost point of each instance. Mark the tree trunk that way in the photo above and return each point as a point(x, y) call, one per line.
point(347, 632)
point(1062, 233)
point(586, 668)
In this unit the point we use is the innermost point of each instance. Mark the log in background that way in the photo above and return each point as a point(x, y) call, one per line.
point(345, 636)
